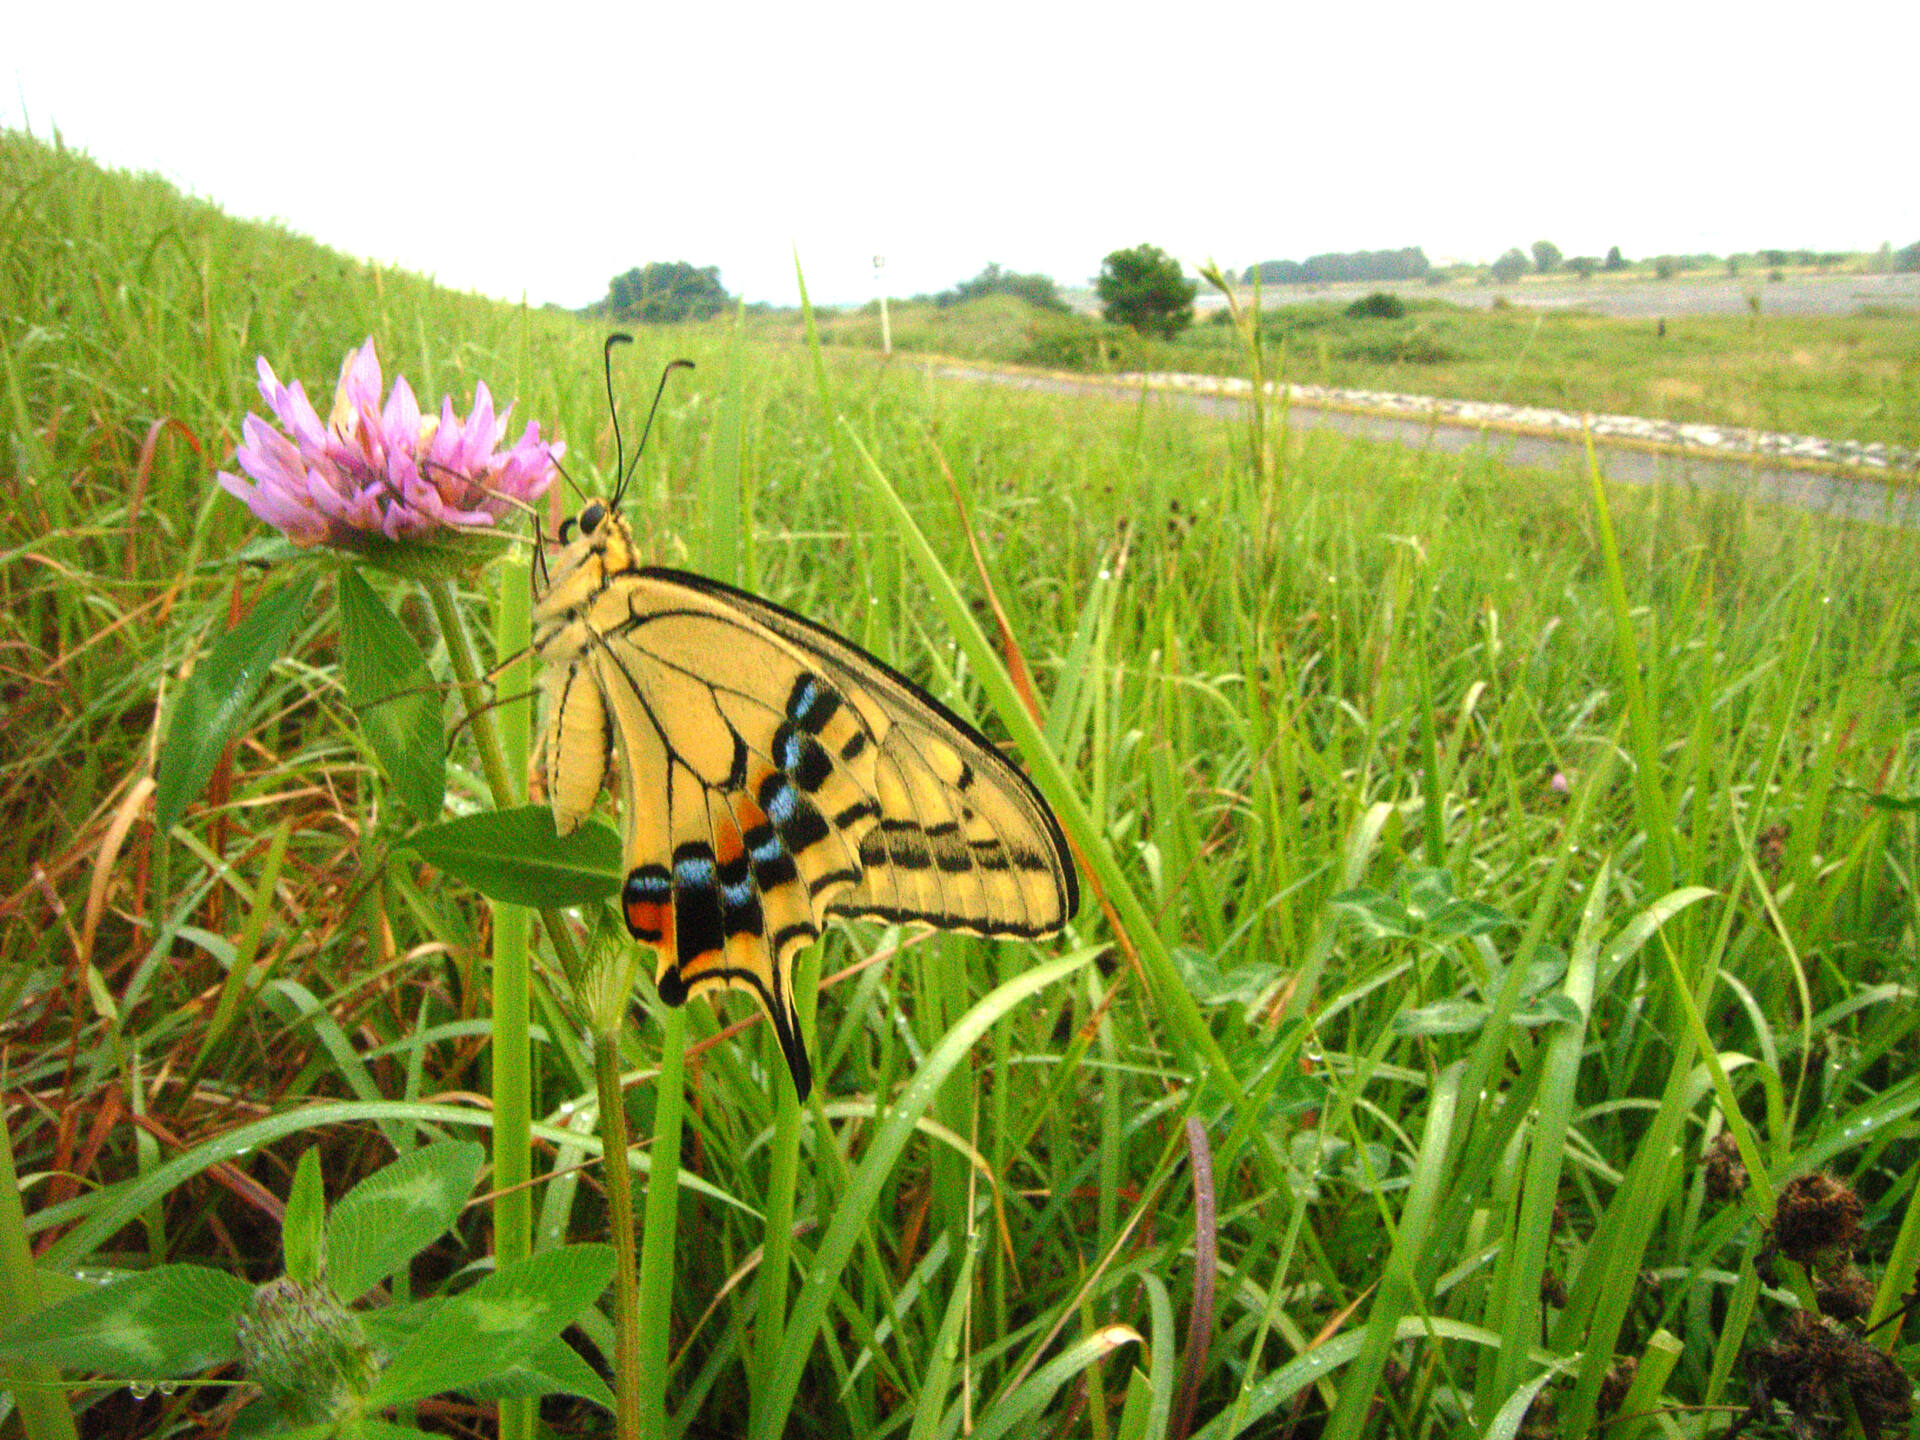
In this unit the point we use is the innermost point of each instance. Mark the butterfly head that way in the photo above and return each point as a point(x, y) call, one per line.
point(591, 522)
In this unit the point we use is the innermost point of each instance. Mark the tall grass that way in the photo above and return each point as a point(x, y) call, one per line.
point(1513, 838)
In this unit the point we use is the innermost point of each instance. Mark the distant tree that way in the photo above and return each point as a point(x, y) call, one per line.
point(1583, 266)
point(664, 291)
point(1907, 259)
point(1614, 260)
point(1546, 256)
point(1410, 263)
point(1143, 288)
point(1511, 266)
point(1037, 290)
point(1665, 266)
point(1278, 272)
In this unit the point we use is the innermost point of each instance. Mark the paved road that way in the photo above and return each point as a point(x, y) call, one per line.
point(1852, 499)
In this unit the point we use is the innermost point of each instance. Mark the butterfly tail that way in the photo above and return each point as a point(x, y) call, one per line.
point(674, 990)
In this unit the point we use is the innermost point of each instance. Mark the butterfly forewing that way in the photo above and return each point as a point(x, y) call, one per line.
point(772, 774)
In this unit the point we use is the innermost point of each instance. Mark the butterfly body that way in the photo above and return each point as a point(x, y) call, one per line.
point(771, 773)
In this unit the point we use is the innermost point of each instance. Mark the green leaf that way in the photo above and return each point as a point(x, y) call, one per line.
point(302, 1235)
point(1549, 1010)
point(390, 690)
point(1424, 909)
point(946, 1348)
point(162, 1325)
point(555, 1368)
point(1446, 1017)
point(396, 1212)
point(214, 701)
point(1384, 917)
point(1210, 985)
point(258, 1422)
point(499, 1323)
point(515, 856)
point(1884, 800)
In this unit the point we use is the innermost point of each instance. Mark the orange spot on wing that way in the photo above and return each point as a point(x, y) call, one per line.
point(652, 922)
point(727, 844)
point(747, 813)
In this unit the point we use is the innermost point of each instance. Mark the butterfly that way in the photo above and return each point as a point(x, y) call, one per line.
point(771, 773)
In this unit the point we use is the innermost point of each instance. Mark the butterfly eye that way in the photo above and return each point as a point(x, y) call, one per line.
point(591, 517)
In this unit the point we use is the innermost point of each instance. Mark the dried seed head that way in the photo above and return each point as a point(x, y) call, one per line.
point(1726, 1176)
point(1815, 1363)
point(1818, 1216)
point(1845, 1294)
point(1614, 1388)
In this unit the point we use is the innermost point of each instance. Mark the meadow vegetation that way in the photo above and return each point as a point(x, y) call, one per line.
point(1538, 863)
point(1843, 378)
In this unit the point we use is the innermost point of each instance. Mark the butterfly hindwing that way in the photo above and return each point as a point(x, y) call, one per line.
point(965, 842)
point(772, 773)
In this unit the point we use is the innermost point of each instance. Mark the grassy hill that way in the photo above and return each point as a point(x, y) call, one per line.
point(1500, 891)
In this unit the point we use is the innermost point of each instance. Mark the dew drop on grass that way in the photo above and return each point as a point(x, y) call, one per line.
point(140, 1389)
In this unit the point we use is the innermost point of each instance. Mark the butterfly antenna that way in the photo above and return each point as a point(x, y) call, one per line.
point(626, 475)
point(566, 476)
point(618, 337)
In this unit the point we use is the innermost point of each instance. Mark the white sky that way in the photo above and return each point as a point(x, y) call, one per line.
point(539, 149)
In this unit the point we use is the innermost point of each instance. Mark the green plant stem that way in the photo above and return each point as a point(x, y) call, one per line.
point(467, 675)
point(36, 1388)
point(493, 762)
point(654, 1314)
point(513, 984)
point(619, 1182)
point(510, 1042)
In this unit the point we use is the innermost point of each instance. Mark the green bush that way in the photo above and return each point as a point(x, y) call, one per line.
point(1380, 305)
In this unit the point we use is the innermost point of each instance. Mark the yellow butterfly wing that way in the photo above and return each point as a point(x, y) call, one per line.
point(773, 774)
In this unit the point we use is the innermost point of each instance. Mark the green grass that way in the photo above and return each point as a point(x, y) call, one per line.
point(1469, 807)
point(1844, 378)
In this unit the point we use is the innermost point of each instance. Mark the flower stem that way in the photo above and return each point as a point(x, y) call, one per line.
point(656, 1239)
point(503, 754)
point(466, 673)
point(513, 984)
point(619, 1180)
